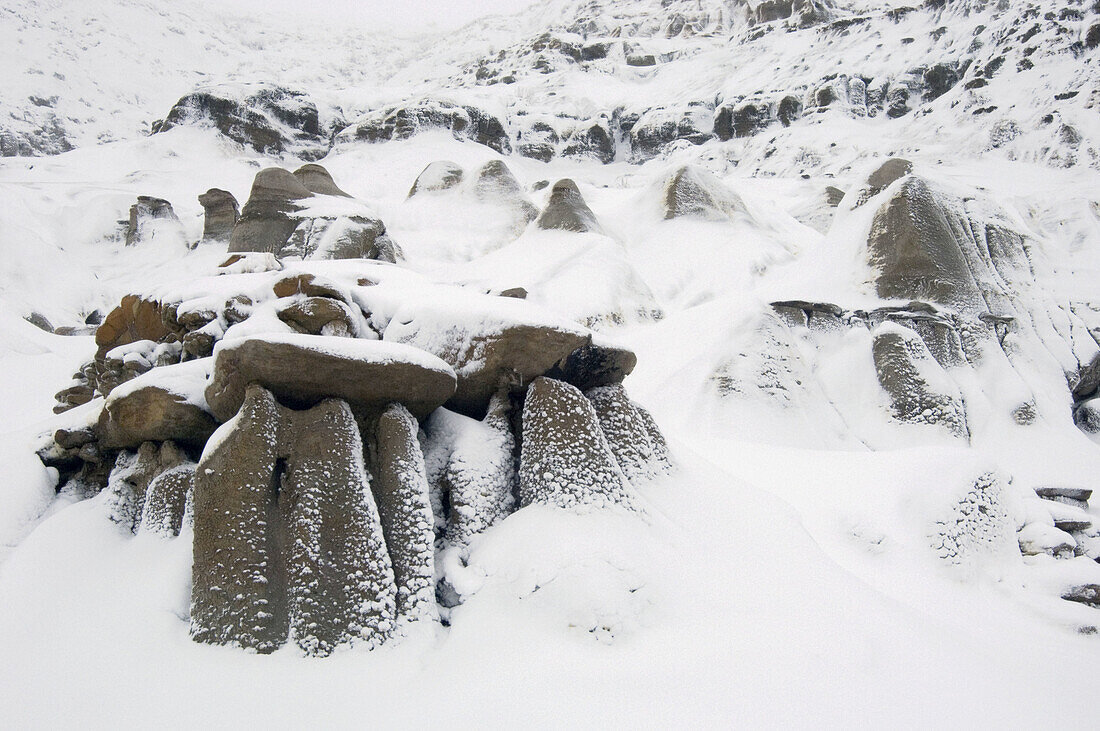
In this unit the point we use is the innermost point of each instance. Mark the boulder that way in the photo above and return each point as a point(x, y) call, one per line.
point(496, 184)
point(304, 369)
point(270, 119)
point(639, 447)
point(497, 343)
point(400, 488)
point(309, 285)
point(166, 501)
point(135, 319)
point(565, 460)
point(266, 221)
point(318, 180)
point(920, 390)
point(150, 219)
point(437, 176)
point(696, 193)
point(594, 364)
point(220, 214)
point(567, 211)
point(160, 405)
point(320, 316)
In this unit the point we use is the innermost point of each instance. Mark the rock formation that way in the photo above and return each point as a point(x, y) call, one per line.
point(220, 214)
point(565, 458)
point(567, 211)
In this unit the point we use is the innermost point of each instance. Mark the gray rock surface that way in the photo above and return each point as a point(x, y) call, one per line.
point(567, 211)
point(304, 369)
point(404, 505)
point(565, 459)
point(220, 214)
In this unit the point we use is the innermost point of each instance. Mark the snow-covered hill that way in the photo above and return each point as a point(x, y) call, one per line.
point(854, 244)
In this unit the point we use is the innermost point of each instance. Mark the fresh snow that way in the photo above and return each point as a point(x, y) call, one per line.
point(811, 561)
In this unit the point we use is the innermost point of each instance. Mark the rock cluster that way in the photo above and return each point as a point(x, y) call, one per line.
point(335, 465)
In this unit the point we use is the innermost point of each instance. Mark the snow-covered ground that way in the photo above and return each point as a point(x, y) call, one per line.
point(793, 571)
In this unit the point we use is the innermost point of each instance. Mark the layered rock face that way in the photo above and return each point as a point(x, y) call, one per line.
point(267, 118)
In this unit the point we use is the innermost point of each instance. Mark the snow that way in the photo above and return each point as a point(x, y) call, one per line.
point(811, 560)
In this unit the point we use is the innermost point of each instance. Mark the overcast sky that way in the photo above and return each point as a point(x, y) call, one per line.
point(398, 14)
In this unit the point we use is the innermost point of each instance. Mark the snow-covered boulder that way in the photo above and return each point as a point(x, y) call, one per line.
point(167, 500)
point(637, 443)
point(163, 404)
point(692, 192)
point(303, 369)
point(488, 341)
point(565, 459)
point(153, 219)
point(131, 476)
point(566, 210)
point(472, 469)
point(400, 489)
point(437, 176)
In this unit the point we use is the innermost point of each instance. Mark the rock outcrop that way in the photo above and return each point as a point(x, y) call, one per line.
point(405, 121)
point(277, 219)
point(271, 120)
